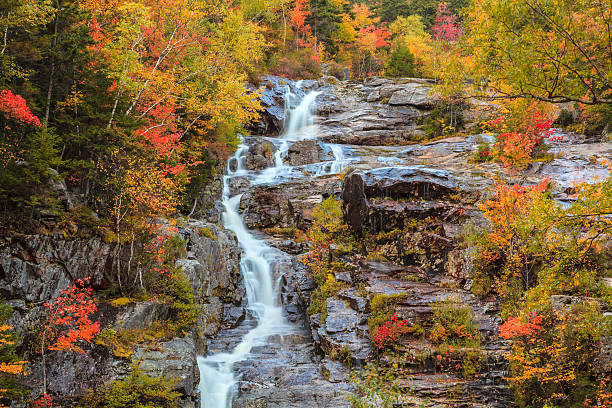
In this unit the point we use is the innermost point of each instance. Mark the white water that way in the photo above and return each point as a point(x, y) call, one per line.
point(217, 379)
point(299, 125)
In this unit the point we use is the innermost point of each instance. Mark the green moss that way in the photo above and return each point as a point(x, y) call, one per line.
point(136, 390)
point(122, 301)
point(205, 232)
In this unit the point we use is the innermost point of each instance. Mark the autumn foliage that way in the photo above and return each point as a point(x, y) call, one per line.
point(15, 107)
point(390, 332)
point(69, 317)
point(534, 252)
point(446, 28)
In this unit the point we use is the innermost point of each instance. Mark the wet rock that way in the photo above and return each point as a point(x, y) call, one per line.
point(334, 371)
point(365, 202)
point(283, 205)
point(212, 264)
point(305, 152)
point(344, 329)
point(408, 182)
point(238, 185)
point(260, 154)
point(233, 315)
point(339, 317)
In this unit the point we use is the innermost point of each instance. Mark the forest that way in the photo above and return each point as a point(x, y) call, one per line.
point(119, 124)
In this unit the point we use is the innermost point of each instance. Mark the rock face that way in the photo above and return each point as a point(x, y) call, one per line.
point(260, 154)
point(305, 152)
point(384, 112)
point(285, 205)
point(72, 374)
point(370, 198)
point(213, 266)
point(34, 268)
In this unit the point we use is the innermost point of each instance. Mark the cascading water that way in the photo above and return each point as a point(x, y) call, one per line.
point(299, 125)
point(217, 378)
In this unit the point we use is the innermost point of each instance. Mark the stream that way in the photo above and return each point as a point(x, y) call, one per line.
point(217, 377)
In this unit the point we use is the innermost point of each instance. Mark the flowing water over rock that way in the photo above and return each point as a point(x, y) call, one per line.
point(218, 379)
point(279, 357)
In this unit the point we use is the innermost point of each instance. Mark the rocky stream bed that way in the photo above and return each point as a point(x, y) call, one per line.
point(367, 131)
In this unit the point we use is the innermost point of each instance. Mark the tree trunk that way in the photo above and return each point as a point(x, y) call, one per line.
point(52, 73)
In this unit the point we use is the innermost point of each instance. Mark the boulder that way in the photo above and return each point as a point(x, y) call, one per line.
point(306, 152)
point(260, 154)
point(369, 197)
point(355, 207)
point(408, 182)
point(413, 94)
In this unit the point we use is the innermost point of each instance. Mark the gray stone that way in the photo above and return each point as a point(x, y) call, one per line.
point(415, 95)
point(305, 152)
point(175, 359)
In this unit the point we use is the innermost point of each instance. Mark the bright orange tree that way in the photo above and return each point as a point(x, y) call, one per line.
point(12, 366)
point(520, 137)
point(69, 323)
point(536, 249)
point(507, 251)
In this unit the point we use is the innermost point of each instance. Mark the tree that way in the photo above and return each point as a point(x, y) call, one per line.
point(550, 50)
point(401, 63)
point(68, 323)
point(10, 364)
point(410, 32)
point(445, 29)
point(361, 37)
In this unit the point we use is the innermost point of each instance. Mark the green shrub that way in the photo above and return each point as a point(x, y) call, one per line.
point(205, 232)
point(443, 120)
point(375, 387)
point(318, 303)
point(381, 310)
point(177, 290)
point(458, 337)
point(137, 390)
point(401, 63)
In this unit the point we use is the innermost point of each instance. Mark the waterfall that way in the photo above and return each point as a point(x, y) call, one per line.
point(299, 121)
point(299, 125)
point(217, 378)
